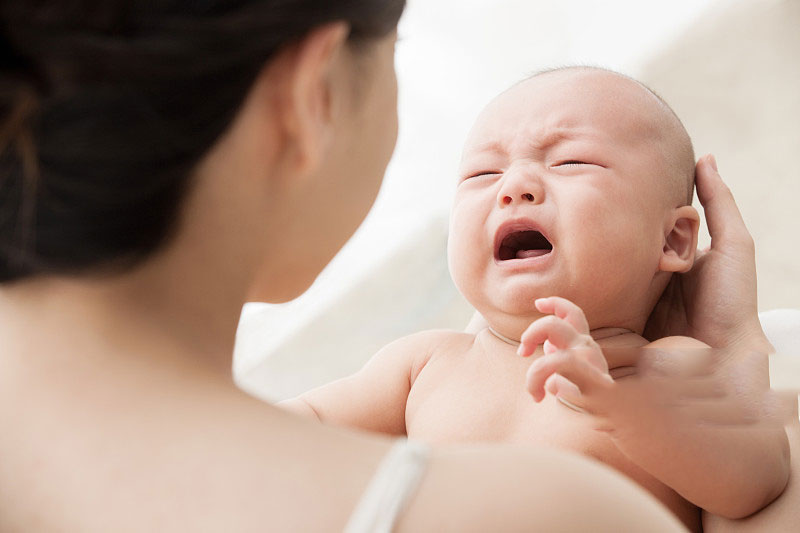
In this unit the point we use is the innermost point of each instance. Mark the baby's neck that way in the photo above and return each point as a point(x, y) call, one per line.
point(620, 345)
point(599, 334)
point(604, 333)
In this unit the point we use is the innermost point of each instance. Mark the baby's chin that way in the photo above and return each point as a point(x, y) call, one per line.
point(509, 326)
point(512, 302)
point(519, 310)
point(509, 320)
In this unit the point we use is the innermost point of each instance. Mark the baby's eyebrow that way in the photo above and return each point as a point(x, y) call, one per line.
point(539, 140)
point(553, 137)
point(489, 146)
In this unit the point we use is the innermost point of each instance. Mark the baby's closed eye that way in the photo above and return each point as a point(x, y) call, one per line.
point(577, 162)
point(480, 174)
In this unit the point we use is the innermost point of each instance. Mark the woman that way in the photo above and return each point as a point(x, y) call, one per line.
point(162, 163)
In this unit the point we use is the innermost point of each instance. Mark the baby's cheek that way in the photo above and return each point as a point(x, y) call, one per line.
point(461, 260)
point(618, 236)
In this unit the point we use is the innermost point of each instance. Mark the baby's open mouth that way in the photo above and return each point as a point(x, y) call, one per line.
point(523, 244)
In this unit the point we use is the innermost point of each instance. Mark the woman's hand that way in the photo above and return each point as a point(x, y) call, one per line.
point(715, 301)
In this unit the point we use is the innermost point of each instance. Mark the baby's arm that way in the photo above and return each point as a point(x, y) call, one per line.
point(730, 471)
point(375, 397)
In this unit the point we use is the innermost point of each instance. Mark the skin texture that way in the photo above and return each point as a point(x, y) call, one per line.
point(131, 420)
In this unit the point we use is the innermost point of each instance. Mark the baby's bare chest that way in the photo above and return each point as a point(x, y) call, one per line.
point(479, 397)
point(472, 398)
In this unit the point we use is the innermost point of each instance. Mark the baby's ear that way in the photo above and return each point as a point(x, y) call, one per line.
point(680, 240)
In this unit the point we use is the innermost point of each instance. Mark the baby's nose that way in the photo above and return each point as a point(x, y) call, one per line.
point(520, 185)
point(523, 197)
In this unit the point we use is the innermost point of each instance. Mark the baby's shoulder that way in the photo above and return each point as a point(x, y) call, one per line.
point(421, 347)
point(437, 342)
point(432, 340)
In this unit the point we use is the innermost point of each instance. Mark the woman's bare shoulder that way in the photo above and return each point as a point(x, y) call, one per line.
point(173, 453)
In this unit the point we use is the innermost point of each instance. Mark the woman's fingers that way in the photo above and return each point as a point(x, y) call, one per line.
point(725, 222)
point(563, 308)
point(557, 331)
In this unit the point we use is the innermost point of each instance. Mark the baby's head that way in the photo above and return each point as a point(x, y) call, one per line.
point(575, 183)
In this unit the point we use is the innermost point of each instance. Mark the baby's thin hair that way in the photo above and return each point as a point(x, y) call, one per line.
point(551, 70)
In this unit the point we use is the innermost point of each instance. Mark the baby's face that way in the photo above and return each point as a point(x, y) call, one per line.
point(561, 193)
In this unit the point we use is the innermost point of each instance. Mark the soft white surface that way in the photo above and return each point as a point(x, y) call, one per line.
point(409, 291)
point(782, 327)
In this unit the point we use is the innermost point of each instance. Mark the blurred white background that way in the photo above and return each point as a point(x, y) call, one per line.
point(730, 69)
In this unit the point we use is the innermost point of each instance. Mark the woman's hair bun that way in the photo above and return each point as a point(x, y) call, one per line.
point(19, 105)
point(106, 106)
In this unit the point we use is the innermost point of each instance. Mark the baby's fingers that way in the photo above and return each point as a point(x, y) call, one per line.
point(563, 308)
point(561, 387)
point(551, 328)
point(570, 365)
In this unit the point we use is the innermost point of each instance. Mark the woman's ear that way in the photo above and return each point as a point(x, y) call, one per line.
point(304, 103)
point(680, 240)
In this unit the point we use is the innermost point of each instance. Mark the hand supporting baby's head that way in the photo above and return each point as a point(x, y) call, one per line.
point(576, 183)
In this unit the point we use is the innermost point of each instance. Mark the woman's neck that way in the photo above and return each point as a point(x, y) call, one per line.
point(185, 299)
point(139, 314)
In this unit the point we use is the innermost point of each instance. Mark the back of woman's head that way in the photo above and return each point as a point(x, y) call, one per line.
point(106, 106)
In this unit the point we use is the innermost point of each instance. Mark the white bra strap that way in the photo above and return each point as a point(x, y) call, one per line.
point(392, 485)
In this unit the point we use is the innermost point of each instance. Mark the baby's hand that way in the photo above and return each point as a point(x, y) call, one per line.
point(572, 364)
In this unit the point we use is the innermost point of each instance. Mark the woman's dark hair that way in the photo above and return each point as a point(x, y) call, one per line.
point(107, 105)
